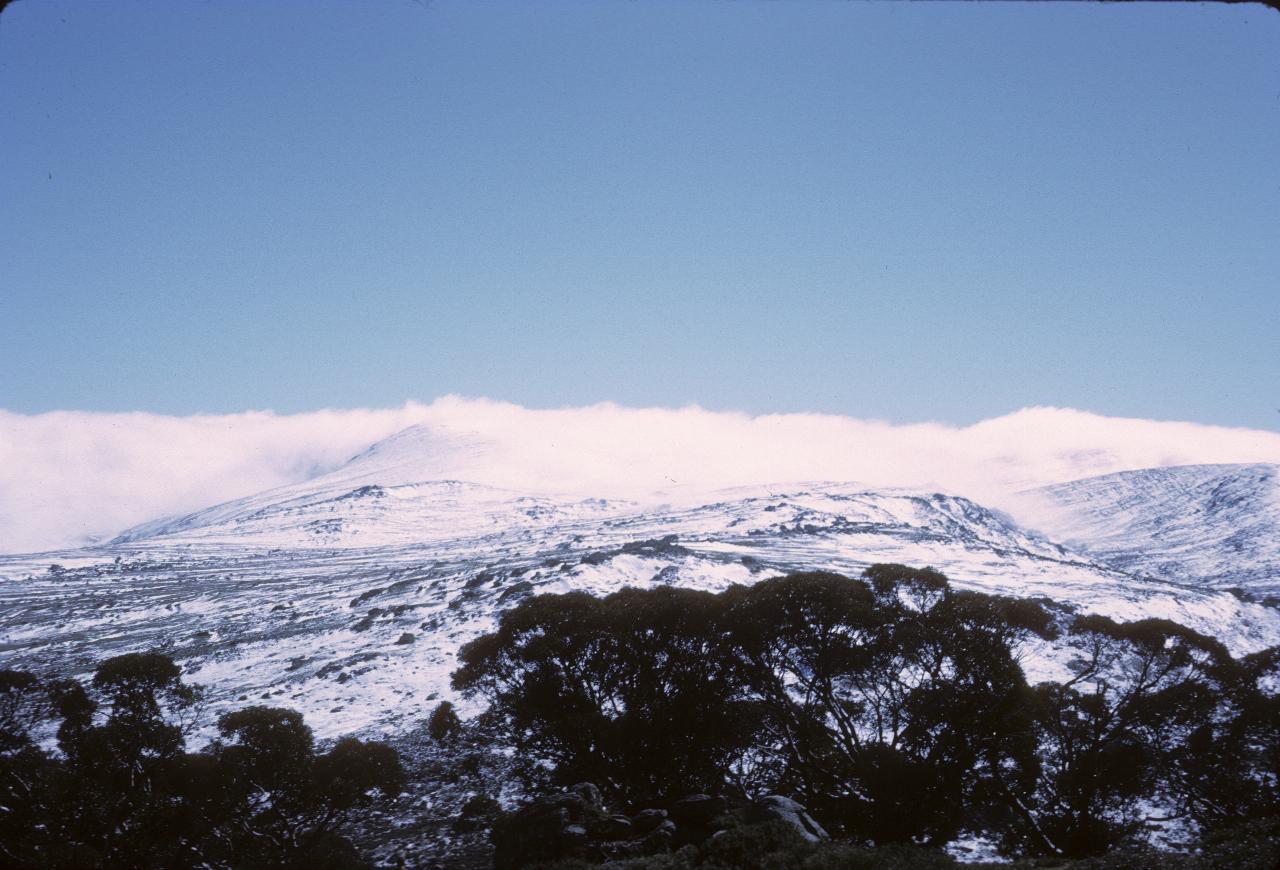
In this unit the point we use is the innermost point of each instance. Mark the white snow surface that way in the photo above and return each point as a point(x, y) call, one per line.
point(1216, 525)
point(348, 596)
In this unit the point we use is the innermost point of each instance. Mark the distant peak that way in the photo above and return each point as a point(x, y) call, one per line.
point(1172, 474)
point(421, 442)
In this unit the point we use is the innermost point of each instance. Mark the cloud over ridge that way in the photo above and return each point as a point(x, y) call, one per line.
point(69, 477)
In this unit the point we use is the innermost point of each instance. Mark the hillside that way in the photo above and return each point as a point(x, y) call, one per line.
point(347, 596)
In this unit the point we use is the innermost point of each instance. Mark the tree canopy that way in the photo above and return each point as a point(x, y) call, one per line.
point(893, 705)
point(121, 790)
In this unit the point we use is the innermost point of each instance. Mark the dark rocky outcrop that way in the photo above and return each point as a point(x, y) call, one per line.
point(552, 826)
point(785, 809)
point(698, 809)
point(577, 824)
point(516, 590)
point(646, 820)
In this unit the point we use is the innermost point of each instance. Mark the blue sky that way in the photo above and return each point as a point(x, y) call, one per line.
point(901, 211)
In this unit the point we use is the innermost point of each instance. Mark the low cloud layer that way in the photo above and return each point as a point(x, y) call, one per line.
point(67, 478)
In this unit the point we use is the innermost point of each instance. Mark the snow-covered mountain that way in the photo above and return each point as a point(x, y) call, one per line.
point(1213, 525)
point(348, 596)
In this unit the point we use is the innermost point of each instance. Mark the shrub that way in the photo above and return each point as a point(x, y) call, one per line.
point(636, 691)
point(443, 722)
point(123, 791)
point(893, 707)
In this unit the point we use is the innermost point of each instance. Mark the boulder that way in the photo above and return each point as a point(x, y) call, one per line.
point(616, 828)
point(592, 800)
point(646, 820)
point(535, 832)
point(698, 809)
point(660, 839)
point(776, 806)
point(553, 826)
point(515, 590)
point(572, 803)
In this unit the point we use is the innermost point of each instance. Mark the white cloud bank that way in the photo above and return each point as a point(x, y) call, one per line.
point(69, 477)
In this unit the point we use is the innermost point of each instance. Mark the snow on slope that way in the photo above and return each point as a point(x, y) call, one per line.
point(415, 455)
point(347, 597)
point(1216, 525)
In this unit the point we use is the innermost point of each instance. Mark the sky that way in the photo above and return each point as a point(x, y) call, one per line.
point(896, 211)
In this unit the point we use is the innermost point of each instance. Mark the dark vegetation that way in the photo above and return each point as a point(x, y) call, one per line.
point(810, 721)
point(894, 708)
point(122, 791)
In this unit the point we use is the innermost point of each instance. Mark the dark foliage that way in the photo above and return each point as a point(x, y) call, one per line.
point(635, 691)
point(890, 708)
point(894, 707)
point(443, 722)
point(121, 791)
point(1122, 730)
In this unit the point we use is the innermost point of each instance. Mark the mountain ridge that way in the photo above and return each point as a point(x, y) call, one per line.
point(348, 595)
point(1214, 524)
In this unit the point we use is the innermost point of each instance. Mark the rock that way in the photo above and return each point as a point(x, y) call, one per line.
point(698, 809)
point(534, 833)
point(668, 575)
point(646, 820)
point(622, 850)
point(549, 828)
point(784, 808)
point(515, 590)
point(616, 828)
point(479, 580)
point(572, 804)
point(406, 638)
point(659, 839)
point(591, 797)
